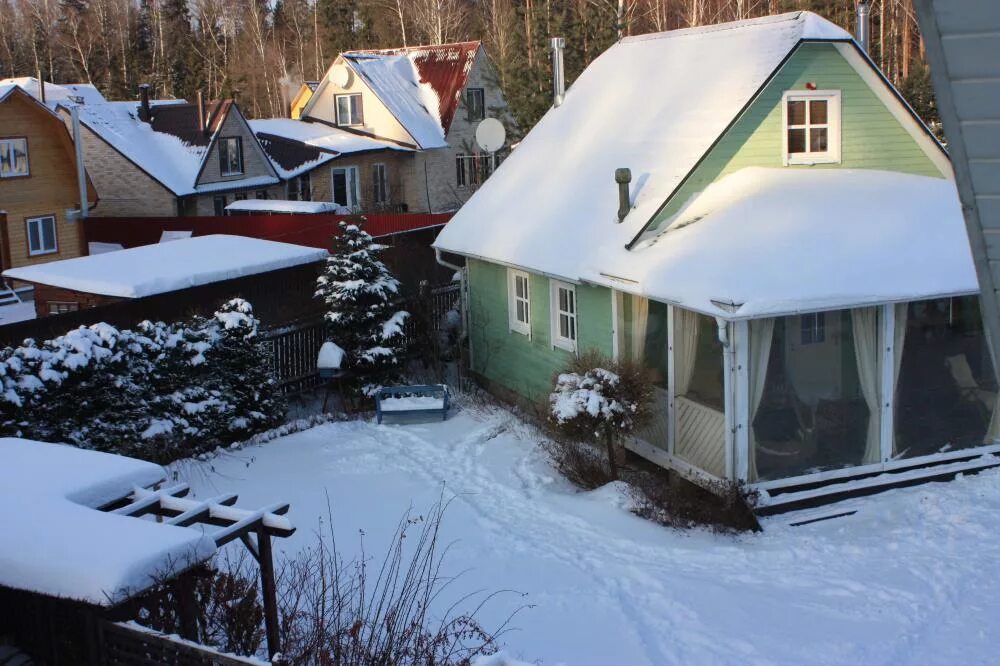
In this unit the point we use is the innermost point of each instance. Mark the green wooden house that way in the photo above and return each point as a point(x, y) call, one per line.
point(788, 260)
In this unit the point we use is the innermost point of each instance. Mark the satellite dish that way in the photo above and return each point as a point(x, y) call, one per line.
point(340, 76)
point(490, 135)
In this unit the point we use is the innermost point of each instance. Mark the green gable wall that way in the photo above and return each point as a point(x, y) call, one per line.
point(871, 137)
point(527, 366)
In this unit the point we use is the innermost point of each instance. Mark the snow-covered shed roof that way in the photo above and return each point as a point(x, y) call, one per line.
point(767, 242)
point(652, 103)
point(285, 206)
point(55, 541)
point(162, 267)
point(297, 146)
point(78, 93)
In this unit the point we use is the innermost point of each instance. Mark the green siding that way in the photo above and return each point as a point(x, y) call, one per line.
point(871, 137)
point(511, 359)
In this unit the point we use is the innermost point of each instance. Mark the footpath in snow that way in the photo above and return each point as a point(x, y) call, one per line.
point(909, 579)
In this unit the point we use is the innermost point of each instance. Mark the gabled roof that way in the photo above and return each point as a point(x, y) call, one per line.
point(297, 146)
point(182, 120)
point(653, 103)
point(80, 93)
point(420, 85)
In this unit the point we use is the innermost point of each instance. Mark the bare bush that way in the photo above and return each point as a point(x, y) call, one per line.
point(579, 462)
point(665, 498)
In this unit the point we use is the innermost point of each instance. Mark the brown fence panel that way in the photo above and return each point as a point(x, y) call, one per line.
point(294, 351)
point(127, 645)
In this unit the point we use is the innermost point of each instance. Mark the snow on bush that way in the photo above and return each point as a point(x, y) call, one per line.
point(158, 392)
point(362, 319)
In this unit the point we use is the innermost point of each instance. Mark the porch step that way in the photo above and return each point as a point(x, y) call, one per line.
point(8, 297)
point(814, 496)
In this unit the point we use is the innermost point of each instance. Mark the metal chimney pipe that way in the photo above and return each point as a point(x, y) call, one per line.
point(144, 114)
point(81, 172)
point(623, 177)
point(864, 29)
point(41, 86)
point(201, 111)
point(558, 71)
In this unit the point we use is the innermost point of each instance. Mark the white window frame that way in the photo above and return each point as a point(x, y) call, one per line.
point(832, 154)
point(353, 194)
point(569, 344)
point(380, 184)
point(28, 222)
point(469, 93)
point(350, 121)
point(516, 325)
point(224, 155)
point(7, 146)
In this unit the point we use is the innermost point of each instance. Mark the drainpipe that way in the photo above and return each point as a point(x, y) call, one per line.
point(81, 171)
point(202, 125)
point(463, 301)
point(729, 385)
point(864, 27)
point(558, 71)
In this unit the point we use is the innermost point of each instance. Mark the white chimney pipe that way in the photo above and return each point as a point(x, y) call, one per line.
point(81, 172)
point(558, 71)
point(864, 29)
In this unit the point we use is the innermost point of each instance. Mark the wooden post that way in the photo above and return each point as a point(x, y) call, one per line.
point(268, 591)
point(187, 606)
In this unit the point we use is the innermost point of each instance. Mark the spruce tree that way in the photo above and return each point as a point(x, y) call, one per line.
point(362, 318)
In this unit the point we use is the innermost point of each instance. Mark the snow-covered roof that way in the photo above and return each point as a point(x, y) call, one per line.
point(162, 267)
point(56, 543)
point(283, 206)
point(77, 93)
point(781, 241)
point(653, 103)
point(395, 80)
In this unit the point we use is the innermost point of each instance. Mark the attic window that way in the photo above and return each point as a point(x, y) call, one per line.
point(231, 156)
point(349, 110)
point(811, 126)
point(475, 104)
point(13, 157)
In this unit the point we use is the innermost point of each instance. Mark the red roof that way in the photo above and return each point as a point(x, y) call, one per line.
point(445, 67)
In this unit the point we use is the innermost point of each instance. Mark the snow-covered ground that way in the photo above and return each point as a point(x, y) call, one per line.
point(910, 578)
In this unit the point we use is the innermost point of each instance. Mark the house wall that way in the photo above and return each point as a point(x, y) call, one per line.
point(872, 138)
point(124, 190)
point(397, 164)
point(512, 360)
point(255, 162)
point(50, 189)
point(204, 204)
point(45, 294)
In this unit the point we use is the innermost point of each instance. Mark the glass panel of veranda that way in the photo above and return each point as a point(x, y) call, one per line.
point(642, 338)
point(699, 392)
point(946, 389)
point(814, 393)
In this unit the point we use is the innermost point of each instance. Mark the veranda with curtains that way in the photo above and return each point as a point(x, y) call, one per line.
point(788, 400)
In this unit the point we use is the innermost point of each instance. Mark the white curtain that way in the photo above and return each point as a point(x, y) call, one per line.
point(640, 325)
point(761, 333)
point(685, 348)
point(864, 323)
point(899, 341)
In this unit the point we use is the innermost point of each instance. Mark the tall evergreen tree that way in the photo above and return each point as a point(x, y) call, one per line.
point(362, 319)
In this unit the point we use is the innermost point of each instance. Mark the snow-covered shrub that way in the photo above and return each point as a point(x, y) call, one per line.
point(600, 400)
point(362, 319)
point(160, 391)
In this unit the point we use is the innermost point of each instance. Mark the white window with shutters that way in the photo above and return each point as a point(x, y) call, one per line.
point(519, 301)
point(563, 307)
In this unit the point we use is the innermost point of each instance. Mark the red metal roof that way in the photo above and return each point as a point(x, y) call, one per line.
point(445, 67)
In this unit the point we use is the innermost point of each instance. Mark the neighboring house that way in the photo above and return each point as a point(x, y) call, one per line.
point(165, 158)
point(323, 163)
point(302, 98)
point(790, 263)
point(428, 99)
point(39, 187)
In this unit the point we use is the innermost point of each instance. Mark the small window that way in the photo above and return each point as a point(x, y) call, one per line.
point(299, 189)
point(345, 186)
point(14, 158)
point(380, 183)
point(61, 307)
point(240, 196)
point(219, 203)
point(460, 179)
point(472, 170)
point(475, 104)
point(812, 127)
point(42, 235)
point(813, 328)
point(563, 306)
point(349, 110)
point(519, 301)
point(231, 156)
point(261, 194)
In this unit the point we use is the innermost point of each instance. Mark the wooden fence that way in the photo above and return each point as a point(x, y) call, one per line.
point(122, 644)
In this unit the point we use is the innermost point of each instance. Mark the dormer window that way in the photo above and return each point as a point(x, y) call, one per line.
point(231, 156)
point(349, 110)
point(812, 126)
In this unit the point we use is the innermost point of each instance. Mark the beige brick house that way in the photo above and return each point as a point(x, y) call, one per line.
point(427, 100)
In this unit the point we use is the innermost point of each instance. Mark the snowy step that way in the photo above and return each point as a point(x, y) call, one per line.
point(8, 297)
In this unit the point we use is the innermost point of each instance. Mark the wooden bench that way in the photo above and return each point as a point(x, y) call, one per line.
point(408, 400)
